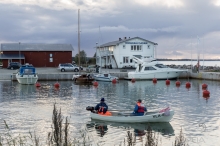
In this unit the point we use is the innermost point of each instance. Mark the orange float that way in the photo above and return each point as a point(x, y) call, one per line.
point(167, 82)
point(56, 85)
point(154, 80)
point(95, 83)
point(188, 85)
point(114, 81)
point(133, 80)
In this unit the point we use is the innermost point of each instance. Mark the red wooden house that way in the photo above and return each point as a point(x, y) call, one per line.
point(39, 55)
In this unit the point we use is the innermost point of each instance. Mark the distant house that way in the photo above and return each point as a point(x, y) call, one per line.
point(118, 54)
point(39, 55)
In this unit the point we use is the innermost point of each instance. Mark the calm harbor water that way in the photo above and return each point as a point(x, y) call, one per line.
point(26, 108)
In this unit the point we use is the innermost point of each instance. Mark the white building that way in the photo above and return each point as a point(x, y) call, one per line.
point(118, 54)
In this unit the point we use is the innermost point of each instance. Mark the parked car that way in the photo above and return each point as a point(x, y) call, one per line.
point(68, 67)
point(14, 65)
point(81, 68)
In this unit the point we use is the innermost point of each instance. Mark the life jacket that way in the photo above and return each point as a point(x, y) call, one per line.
point(140, 107)
point(106, 114)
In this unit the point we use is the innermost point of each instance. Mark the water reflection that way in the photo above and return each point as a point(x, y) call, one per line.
point(26, 107)
point(139, 129)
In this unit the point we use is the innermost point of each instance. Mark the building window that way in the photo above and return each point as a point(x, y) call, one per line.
point(51, 55)
point(131, 60)
point(136, 47)
point(125, 59)
point(148, 46)
point(51, 59)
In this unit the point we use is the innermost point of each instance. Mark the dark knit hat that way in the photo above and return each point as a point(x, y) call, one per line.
point(139, 100)
point(102, 99)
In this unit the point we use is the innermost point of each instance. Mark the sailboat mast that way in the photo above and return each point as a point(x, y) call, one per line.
point(100, 53)
point(79, 38)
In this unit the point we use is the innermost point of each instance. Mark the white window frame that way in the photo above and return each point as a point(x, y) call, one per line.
point(136, 48)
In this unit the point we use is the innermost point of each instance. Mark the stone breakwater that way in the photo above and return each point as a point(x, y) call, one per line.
point(52, 74)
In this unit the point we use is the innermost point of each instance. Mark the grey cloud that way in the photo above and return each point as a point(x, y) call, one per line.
point(167, 26)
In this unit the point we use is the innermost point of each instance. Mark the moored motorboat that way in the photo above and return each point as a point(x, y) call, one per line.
point(160, 116)
point(27, 75)
point(151, 68)
point(105, 77)
point(83, 78)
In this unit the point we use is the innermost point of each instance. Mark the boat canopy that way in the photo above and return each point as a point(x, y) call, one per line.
point(27, 70)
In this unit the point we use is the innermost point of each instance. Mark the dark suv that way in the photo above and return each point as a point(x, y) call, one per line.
point(14, 65)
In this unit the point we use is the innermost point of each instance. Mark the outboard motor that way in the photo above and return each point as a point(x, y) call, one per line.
point(90, 108)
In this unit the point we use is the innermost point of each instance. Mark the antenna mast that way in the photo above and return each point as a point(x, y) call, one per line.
point(79, 37)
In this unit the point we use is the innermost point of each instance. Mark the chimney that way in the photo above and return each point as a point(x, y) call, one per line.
point(119, 39)
point(125, 38)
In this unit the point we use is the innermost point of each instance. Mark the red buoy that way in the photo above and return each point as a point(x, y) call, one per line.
point(206, 93)
point(114, 81)
point(178, 83)
point(154, 80)
point(167, 82)
point(204, 86)
point(188, 85)
point(56, 85)
point(133, 80)
point(37, 84)
point(95, 83)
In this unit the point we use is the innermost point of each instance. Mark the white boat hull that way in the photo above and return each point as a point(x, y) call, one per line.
point(27, 79)
point(149, 117)
point(101, 77)
point(153, 74)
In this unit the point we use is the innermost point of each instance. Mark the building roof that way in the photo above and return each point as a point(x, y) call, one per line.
point(35, 47)
point(114, 43)
point(12, 56)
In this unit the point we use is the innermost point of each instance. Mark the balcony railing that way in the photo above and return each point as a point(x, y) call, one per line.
point(106, 53)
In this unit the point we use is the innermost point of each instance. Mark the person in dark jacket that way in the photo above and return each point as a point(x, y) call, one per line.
point(102, 107)
point(139, 108)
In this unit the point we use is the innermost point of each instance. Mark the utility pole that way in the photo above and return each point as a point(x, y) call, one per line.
point(79, 38)
point(19, 54)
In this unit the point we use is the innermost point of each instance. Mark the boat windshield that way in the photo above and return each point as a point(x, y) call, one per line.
point(27, 71)
point(161, 66)
point(149, 68)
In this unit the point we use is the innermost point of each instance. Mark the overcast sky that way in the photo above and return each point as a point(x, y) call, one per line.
point(182, 28)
